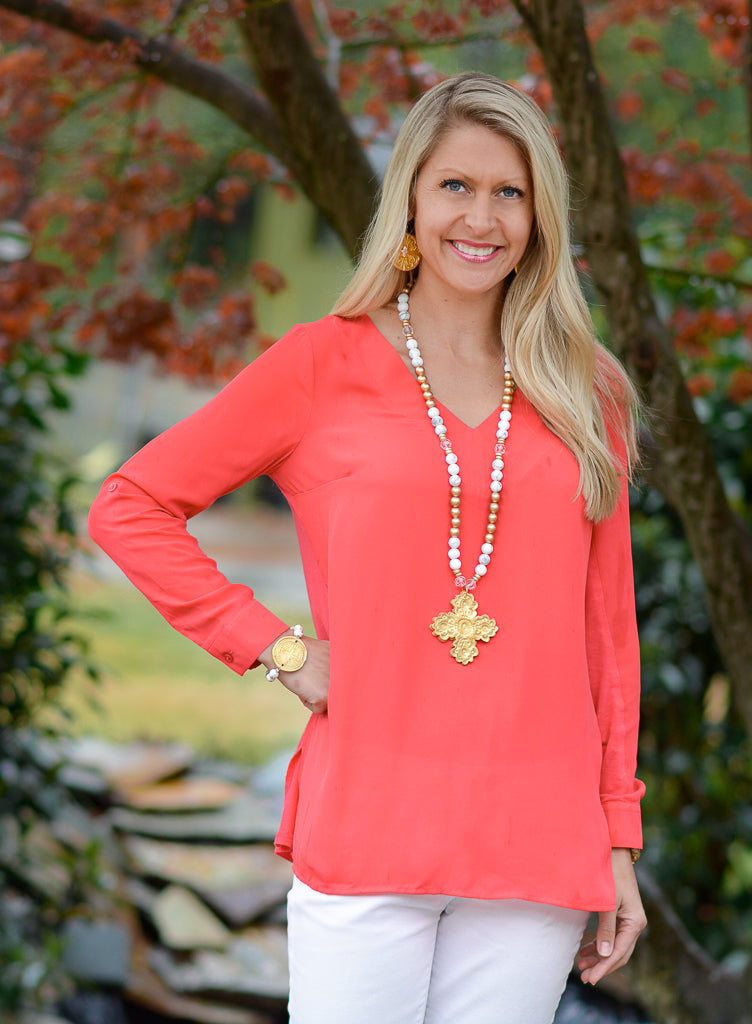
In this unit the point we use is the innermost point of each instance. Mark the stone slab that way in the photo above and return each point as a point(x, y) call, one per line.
point(184, 922)
point(129, 764)
point(208, 867)
point(186, 794)
point(252, 970)
point(96, 951)
point(247, 820)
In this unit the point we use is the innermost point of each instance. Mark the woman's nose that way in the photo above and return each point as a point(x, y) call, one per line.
point(479, 215)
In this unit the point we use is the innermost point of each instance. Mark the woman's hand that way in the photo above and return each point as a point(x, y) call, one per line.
point(618, 930)
point(310, 684)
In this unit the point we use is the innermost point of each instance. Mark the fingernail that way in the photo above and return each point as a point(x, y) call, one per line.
point(604, 948)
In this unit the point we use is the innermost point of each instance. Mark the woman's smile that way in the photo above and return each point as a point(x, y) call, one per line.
point(474, 253)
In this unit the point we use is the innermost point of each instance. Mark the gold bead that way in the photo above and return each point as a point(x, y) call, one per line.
point(428, 394)
point(491, 528)
point(456, 491)
point(489, 538)
point(429, 402)
point(454, 532)
point(492, 517)
point(454, 502)
point(425, 386)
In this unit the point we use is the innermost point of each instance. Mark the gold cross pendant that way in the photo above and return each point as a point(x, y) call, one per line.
point(465, 627)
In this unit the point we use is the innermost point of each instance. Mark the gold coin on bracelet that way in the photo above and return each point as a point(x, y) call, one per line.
point(289, 653)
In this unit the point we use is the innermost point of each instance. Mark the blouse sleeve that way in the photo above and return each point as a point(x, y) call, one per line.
point(614, 666)
point(140, 515)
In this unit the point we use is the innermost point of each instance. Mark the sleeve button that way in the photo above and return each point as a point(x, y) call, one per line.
point(112, 487)
point(228, 656)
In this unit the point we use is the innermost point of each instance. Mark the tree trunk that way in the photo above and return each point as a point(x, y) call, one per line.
point(674, 979)
point(683, 465)
point(328, 162)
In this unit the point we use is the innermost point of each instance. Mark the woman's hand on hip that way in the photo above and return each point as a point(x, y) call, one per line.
point(310, 684)
point(618, 930)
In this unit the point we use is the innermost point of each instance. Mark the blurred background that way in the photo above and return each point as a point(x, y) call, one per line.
point(180, 183)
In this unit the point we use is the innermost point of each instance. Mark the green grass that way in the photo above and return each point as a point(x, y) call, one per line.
point(156, 684)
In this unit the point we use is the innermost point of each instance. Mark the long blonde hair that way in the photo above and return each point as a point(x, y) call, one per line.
point(577, 387)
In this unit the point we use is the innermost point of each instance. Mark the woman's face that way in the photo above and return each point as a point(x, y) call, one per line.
point(473, 211)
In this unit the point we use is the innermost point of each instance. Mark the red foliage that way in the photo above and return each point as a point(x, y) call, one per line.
point(726, 24)
point(644, 44)
point(629, 105)
point(196, 285)
point(268, 277)
point(740, 386)
point(136, 321)
point(24, 306)
point(676, 79)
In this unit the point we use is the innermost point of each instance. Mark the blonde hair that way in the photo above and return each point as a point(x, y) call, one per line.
point(577, 387)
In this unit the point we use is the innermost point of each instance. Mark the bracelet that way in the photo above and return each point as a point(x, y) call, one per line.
point(635, 854)
point(289, 653)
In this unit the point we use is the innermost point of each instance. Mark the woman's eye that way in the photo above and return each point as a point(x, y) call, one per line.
point(510, 192)
point(452, 185)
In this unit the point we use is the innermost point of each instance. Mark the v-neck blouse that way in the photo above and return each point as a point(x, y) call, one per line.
point(512, 776)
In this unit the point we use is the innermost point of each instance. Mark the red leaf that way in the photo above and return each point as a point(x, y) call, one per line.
point(676, 79)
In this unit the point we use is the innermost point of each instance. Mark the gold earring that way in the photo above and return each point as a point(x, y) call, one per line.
point(408, 255)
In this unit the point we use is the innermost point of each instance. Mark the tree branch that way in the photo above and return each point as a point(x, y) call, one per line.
point(328, 160)
point(162, 58)
point(684, 468)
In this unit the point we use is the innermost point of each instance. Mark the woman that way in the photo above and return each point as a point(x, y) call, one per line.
point(454, 446)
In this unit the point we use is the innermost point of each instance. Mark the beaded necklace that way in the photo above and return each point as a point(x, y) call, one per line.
point(463, 625)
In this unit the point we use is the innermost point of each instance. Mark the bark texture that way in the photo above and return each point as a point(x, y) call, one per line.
point(328, 160)
point(683, 466)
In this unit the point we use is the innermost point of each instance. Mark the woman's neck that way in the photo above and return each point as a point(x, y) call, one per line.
point(465, 327)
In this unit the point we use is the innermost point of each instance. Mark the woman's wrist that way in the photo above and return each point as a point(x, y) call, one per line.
point(633, 852)
point(287, 653)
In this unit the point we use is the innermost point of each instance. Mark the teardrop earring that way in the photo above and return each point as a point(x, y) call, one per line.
point(408, 254)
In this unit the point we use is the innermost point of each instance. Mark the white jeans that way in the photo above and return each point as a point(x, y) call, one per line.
point(400, 959)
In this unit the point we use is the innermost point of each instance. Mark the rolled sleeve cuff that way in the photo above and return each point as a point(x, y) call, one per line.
point(239, 643)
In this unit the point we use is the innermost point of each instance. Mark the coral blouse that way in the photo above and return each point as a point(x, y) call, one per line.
point(512, 776)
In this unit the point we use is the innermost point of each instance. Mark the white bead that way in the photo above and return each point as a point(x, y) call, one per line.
point(403, 314)
point(485, 548)
point(453, 553)
point(502, 434)
point(455, 564)
point(498, 463)
point(484, 559)
point(297, 631)
point(433, 413)
point(440, 429)
point(455, 481)
point(272, 674)
point(411, 344)
point(480, 570)
point(505, 415)
point(454, 542)
point(416, 361)
point(496, 474)
point(451, 457)
point(496, 486)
